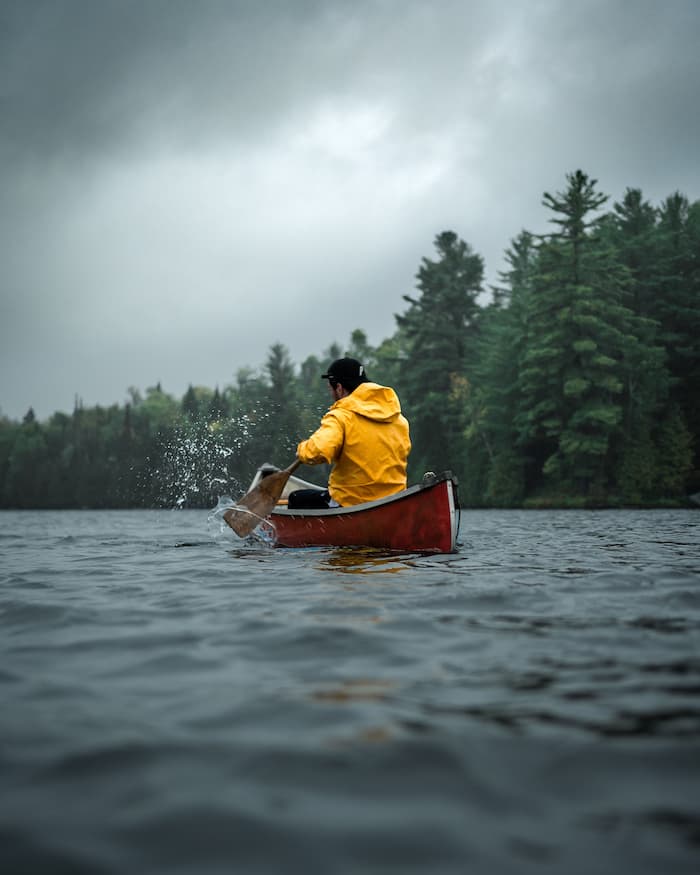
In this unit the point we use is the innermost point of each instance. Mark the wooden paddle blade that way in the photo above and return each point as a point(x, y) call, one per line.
point(257, 504)
point(242, 522)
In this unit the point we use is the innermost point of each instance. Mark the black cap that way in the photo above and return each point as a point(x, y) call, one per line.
point(348, 372)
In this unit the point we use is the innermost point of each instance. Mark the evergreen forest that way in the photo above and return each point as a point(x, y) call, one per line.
point(574, 382)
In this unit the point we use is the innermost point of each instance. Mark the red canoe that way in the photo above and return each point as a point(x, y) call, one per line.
point(421, 519)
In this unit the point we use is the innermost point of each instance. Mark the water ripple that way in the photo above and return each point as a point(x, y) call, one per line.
point(175, 701)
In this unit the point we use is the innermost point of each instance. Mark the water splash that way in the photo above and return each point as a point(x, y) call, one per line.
point(217, 527)
point(219, 530)
point(198, 460)
point(193, 466)
point(196, 463)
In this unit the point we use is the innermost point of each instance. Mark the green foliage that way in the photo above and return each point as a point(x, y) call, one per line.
point(674, 451)
point(637, 472)
point(576, 386)
point(505, 486)
point(440, 329)
point(587, 343)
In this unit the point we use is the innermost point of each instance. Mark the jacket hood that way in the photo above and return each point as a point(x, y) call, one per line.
point(375, 402)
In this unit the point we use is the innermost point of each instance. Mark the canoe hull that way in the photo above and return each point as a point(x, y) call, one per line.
point(421, 519)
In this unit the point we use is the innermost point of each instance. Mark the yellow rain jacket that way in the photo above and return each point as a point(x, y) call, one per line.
point(365, 438)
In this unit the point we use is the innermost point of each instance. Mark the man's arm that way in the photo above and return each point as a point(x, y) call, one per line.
point(325, 443)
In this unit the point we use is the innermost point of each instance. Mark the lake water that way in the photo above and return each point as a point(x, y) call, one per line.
point(175, 701)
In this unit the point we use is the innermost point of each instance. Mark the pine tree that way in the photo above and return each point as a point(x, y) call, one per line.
point(675, 454)
point(360, 349)
point(190, 403)
point(583, 348)
point(282, 404)
point(634, 234)
point(678, 310)
point(632, 230)
point(440, 327)
point(492, 401)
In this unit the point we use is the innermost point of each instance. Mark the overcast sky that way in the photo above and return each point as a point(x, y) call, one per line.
point(183, 184)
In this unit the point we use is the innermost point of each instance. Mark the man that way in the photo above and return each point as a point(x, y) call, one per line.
point(363, 435)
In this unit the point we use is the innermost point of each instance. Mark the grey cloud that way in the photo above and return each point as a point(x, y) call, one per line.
point(212, 176)
point(82, 76)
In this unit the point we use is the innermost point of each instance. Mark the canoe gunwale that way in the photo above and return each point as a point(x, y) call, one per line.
point(423, 518)
point(434, 480)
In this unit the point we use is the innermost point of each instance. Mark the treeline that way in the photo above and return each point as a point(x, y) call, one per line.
point(577, 384)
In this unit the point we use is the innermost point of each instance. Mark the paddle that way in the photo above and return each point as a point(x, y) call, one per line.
point(255, 505)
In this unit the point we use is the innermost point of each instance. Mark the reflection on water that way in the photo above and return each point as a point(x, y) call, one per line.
point(358, 560)
point(354, 690)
